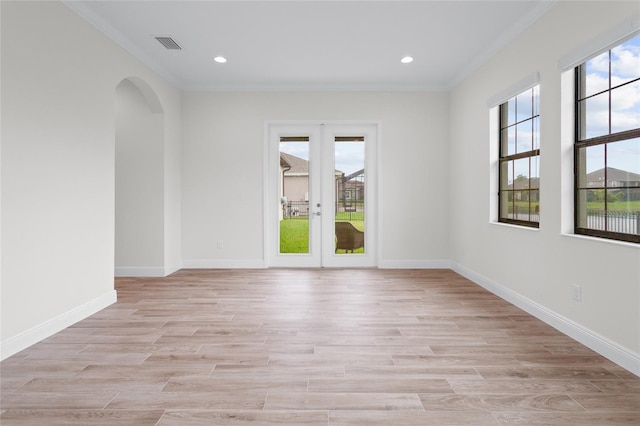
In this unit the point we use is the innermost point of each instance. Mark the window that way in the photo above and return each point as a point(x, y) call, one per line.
point(607, 144)
point(519, 159)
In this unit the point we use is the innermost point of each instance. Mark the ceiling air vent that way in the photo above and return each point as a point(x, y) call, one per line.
point(169, 43)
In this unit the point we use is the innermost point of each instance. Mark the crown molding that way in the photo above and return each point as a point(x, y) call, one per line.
point(80, 9)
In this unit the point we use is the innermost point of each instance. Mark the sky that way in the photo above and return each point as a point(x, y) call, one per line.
point(625, 105)
point(625, 114)
point(349, 156)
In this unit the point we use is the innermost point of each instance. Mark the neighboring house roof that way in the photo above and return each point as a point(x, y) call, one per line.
point(613, 175)
point(298, 166)
point(532, 183)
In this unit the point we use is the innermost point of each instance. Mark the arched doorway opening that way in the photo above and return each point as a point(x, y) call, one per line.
point(139, 180)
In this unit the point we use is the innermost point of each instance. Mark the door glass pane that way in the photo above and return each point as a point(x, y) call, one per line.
point(294, 194)
point(349, 178)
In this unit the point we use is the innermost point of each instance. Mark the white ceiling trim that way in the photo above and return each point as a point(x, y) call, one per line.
point(109, 31)
point(105, 28)
point(312, 88)
point(513, 32)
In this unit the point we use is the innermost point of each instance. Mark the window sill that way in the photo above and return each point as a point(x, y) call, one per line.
point(602, 240)
point(511, 225)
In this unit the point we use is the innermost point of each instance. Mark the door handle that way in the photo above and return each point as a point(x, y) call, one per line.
point(317, 213)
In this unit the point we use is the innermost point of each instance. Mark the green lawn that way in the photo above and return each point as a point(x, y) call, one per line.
point(621, 206)
point(350, 216)
point(294, 235)
point(523, 206)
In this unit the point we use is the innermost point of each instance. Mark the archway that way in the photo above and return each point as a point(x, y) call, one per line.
point(139, 180)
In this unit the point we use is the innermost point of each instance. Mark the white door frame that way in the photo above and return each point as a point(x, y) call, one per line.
point(321, 252)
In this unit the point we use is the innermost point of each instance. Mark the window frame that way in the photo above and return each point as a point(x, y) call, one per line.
point(505, 158)
point(600, 140)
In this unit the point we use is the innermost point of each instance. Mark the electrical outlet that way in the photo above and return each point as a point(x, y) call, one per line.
point(576, 293)
point(220, 244)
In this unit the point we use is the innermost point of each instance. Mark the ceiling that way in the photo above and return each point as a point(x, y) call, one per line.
point(313, 45)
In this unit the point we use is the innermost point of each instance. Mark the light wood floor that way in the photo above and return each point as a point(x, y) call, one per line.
point(313, 347)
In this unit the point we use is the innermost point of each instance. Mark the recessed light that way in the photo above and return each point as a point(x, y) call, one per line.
point(220, 59)
point(406, 60)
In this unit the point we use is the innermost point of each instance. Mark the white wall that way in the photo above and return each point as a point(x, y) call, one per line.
point(139, 183)
point(537, 268)
point(223, 137)
point(171, 100)
point(59, 77)
point(58, 85)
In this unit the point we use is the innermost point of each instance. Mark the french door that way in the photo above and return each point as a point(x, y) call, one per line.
point(320, 194)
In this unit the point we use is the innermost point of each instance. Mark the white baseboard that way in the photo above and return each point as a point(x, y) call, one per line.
point(414, 264)
point(168, 270)
point(260, 264)
point(142, 271)
point(600, 344)
point(48, 328)
point(133, 271)
point(223, 264)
